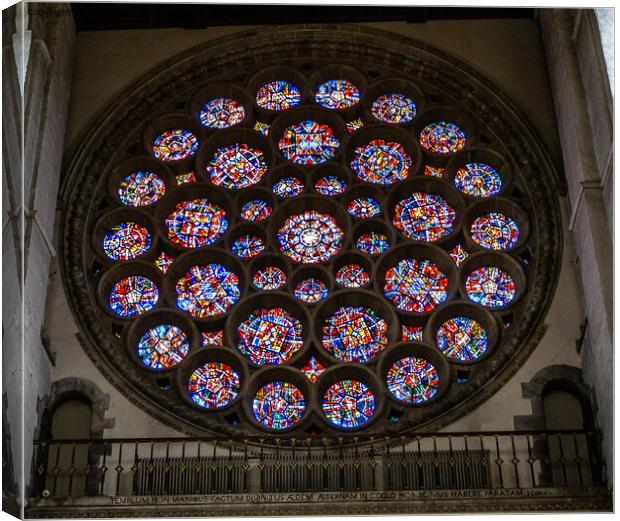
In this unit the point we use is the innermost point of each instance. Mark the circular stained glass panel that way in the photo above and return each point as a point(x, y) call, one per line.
point(248, 246)
point(256, 210)
point(132, 296)
point(270, 336)
point(222, 113)
point(491, 287)
point(352, 276)
point(162, 347)
point(196, 223)
point(308, 143)
point(354, 334)
point(348, 404)
point(495, 231)
point(175, 145)
point(207, 291)
point(443, 137)
point(381, 162)
point(288, 187)
point(311, 290)
point(462, 339)
point(278, 405)
point(424, 217)
point(278, 95)
point(478, 180)
point(416, 286)
point(310, 237)
point(337, 94)
point(413, 380)
point(269, 278)
point(372, 243)
point(330, 185)
point(213, 385)
point(394, 108)
point(364, 207)
point(126, 241)
point(237, 166)
point(141, 189)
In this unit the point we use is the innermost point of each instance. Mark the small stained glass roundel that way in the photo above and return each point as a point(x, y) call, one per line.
point(288, 187)
point(141, 189)
point(269, 278)
point(443, 137)
point(462, 339)
point(126, 241)
point(162, 347)
point(413, 380)
point(495, 231)
point(310, 237)
point(270, 336)
point(256, 210)
point(313, 369)
point(354, 334)
point(311, 290)
point(308, 143)
point(352, 276)
point(490, 287)
point(237, 166)
point(213, 385)
point(279, 405)
point(364, 207)
point(175, 145)
point(207, 291)
point(372, 243)
point(478, 180)
point(381, 162)
point(222, 113)
point(278, 95)
point(196, 223)
point(424, 217)
point(330, 185)
point(394, 108)
point(348, 404)
point(132, 296)
point(337, 94)
point(248, 246)
point(416, 286)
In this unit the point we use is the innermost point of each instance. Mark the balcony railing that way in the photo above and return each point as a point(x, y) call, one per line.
point(130, 472)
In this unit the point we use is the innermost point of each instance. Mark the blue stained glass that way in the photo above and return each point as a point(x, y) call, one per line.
point(394, 108)
point(348, 404)
point(381, 162)
point(337, 94)
point(278, 95)
point(309, 143)
point(133, 295)
point(222, 113)
point(207, 291)
point(279, 405)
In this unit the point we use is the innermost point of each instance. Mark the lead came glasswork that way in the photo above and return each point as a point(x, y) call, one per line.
point(278, 95)
point(313, 369)
point(222, 113)
point(126, 241)
point(308, 143)
point(478, 180)
point(364, 207)
point(330, 185)
point(141, 189)
point(491, 287)
point(381, 162)
point(175, 145)
point(495, 231)
point(372, 243)
point(214, 385)
point(279, 405)
point(352, 276)
point(413, 380)
point(162, 347)
point(269, 278)
point(132, 296)
point(248, 246)
point(394, 108)
point(288, 187)
point(348, 404)
point(196, 223)
point(412, 333)
point(337, 94)
point(443, 137)
point(311, 290)
point(462, 339)
point(256, 210)
point(424, 217)
point(207, 291)
point(237, 166)
point(163, 261)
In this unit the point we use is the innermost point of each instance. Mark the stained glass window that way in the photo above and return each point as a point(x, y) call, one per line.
point(270, 336)
point(269, 278)
point(434, 171)
point(394, 108)
point(348, 404)
point(248, 246)
point(309, 143)
point(189, 177)
point(237, 166)
point(313, 369)
point(364, 207)
point(415, 285)
point(381, 162)
point(132, 296)
point(196, 223)
point(279, 405)
point(214, 385)
point(163, 261)
point(412, 333)
point(263, 128)
point(288, 187)
point(458, 254)
point(175, 145)
point(207, 291)
point(352, 276)
point(126, 241)
point(372, 243)
point(478, 180)
point(495, 231)
point(213, 338)
point(310, 237)
point(222, 113)
point(278, 95)
point(162, 347)
point(462, 339)
point(424, 217)
point(413, 380)
point(330, 185)
point(354, 125)
point(311, 290)
point(354, 334)
point(256, 210)
point(141, 189)
point(490, 286)
point(337, 94)
point(443, 137)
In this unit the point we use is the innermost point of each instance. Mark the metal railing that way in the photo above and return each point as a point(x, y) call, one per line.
point(483, 460)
